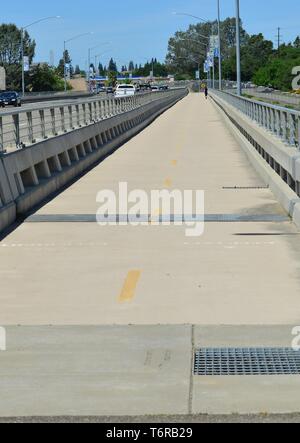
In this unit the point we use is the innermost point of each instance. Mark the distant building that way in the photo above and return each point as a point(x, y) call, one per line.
point(2, 79)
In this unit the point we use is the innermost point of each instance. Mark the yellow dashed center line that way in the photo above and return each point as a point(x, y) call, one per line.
point(168, 183)
point(129, 288)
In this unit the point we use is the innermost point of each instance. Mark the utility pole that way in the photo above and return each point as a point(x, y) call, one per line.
point(65, 68)
point(213, 72)
point(238, 49)
point(220, 51)
point(23, 68)
point(278, 39)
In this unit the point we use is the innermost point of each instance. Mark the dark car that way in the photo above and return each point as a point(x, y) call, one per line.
point(11, 98)
point(2, 104)
point(145, 87)
point(110, 90)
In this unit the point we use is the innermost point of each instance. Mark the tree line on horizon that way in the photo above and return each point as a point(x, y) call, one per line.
point(261, 62)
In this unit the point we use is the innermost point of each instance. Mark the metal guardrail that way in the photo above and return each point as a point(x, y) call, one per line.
point(22, 128)
point(37, 98)
point(276, 96)
point(282, 122)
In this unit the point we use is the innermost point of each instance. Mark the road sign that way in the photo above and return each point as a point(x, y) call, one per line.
point(26, 64)
point(68, 71)
point(197, 75)
point(214, 42)
point(2, 79)
point(210, 61)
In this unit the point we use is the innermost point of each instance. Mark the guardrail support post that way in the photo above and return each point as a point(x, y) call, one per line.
point(71, 126)
point(77, 116)
point(284, 126)
point(62, 117)
point(53, 125)
point(30, 127)
point(42, 120)
point(16, 119)
point(1, 136)
point(84, 114)
point(90, 113)
point(292, 128)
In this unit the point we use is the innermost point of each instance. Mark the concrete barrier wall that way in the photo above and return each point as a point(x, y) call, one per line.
point(30, 175)
point(277, 163)
point(55, 96)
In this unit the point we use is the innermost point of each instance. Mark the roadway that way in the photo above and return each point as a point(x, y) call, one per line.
point(44, 104)
point(105, 320)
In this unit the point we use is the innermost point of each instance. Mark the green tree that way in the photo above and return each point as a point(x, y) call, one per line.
point(277, 72)
point(112, 67)
point(10, 53)
point(101, 70)
point(297, 42)
point(160, 69)
point(66, 58)
point(77, 70)
point(44, 78)
point(254, 55)
point(112, 78)
point(189, 48)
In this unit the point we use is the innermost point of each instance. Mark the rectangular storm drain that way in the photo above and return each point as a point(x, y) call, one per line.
point(246, 361)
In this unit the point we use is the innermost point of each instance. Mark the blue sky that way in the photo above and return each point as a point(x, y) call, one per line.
point(137, 29)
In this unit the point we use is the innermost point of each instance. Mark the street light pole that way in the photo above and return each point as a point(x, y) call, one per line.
point(219, 36)
point(22, 45)
point(65, 49)
point(65, 62)
point(89, 69)
point(22, 55)
point(220, 51)
point(89, 61)
point(238, 49)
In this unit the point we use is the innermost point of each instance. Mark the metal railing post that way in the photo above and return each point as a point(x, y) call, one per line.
point(53, 122)
point(90, 113)
point(84, 114)
point(62, 119)
point(16, 121)
point(42, 121)
point(77, 109)
point(70, 112)
point(1, 136)
point(30, 127)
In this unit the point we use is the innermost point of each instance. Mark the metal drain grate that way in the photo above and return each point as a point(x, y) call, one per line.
point(246, 361)
point(207, 218)
point(246, 188)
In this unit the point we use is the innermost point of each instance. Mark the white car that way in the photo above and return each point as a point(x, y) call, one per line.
point(125, 90)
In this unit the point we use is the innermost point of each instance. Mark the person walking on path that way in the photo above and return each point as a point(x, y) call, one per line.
point(206, 92)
